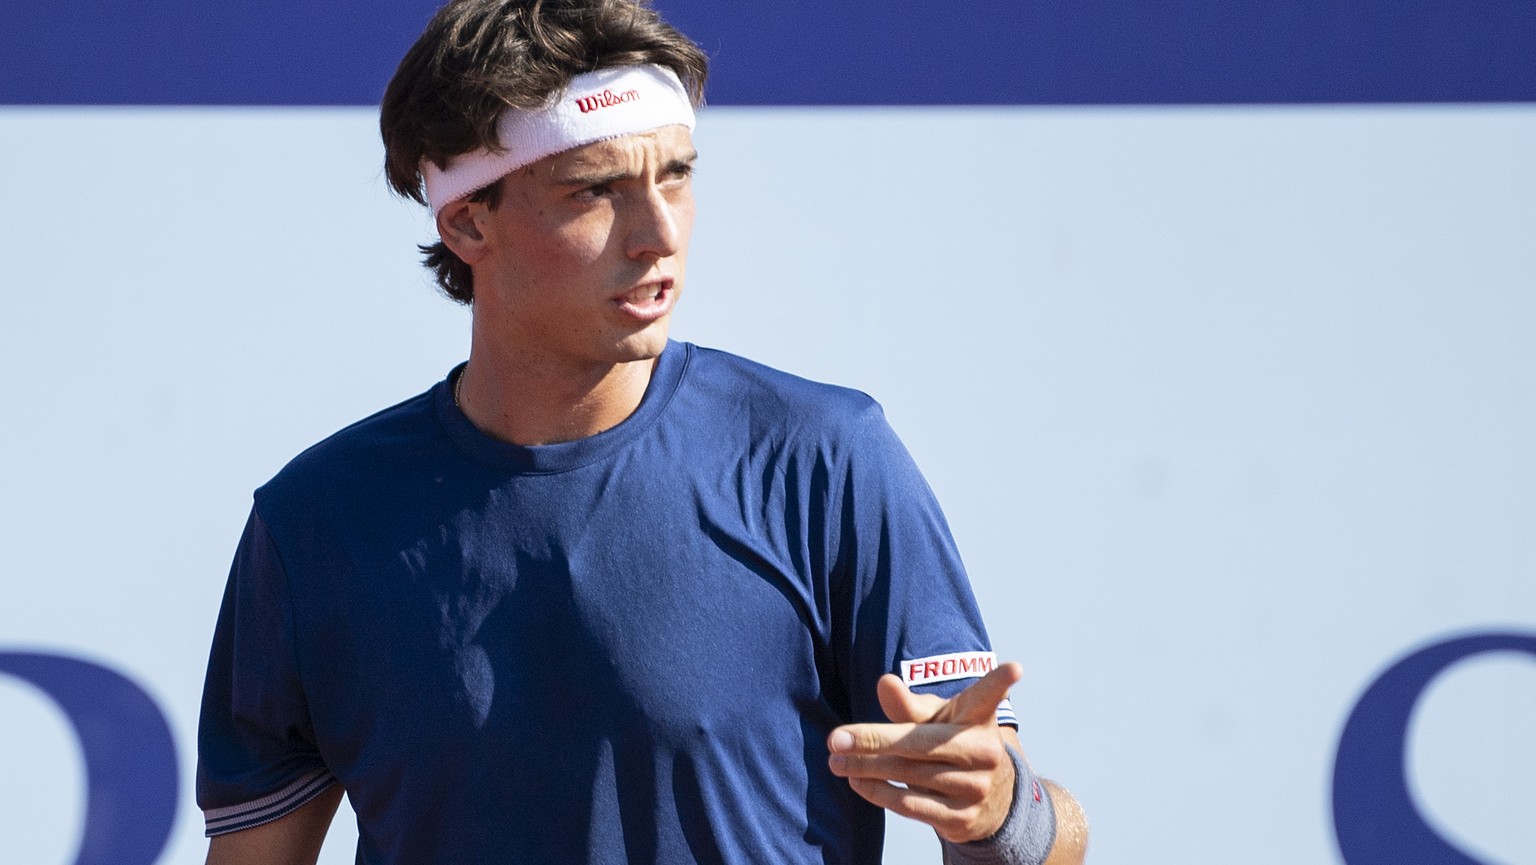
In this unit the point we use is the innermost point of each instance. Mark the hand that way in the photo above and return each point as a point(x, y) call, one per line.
point(941, 762)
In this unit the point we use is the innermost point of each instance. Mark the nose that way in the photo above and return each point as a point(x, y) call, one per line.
point(659, 224)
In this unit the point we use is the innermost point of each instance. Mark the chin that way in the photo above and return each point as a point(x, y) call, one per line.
point(648, 344)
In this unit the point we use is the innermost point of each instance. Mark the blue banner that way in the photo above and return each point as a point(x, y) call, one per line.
point(816, 52)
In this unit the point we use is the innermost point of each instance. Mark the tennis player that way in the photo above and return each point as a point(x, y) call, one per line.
point(598, 596)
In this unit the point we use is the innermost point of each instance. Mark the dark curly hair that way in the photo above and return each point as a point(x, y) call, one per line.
point(478, 58)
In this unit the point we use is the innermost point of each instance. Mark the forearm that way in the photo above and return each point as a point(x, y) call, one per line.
point(1044, 826)
point(1071, 827)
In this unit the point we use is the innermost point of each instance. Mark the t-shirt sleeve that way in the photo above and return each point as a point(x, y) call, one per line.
point(256, 753)
point(913, 612)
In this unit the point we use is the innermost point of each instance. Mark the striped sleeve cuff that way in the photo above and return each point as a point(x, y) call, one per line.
point(221, 821)
point(1006, 715)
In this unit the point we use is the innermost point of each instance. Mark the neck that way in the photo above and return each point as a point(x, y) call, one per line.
point(531, 403)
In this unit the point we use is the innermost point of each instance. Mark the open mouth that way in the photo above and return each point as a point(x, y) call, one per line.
point(648, 301)
point(646, 293)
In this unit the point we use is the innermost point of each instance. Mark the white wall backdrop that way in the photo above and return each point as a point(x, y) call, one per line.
point(1229, 409)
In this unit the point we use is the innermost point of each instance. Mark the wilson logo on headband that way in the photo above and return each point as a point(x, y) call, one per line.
point(654, 98)
point(606, 99)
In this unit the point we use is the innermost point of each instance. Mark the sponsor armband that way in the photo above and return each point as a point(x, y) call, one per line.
point(956, 665)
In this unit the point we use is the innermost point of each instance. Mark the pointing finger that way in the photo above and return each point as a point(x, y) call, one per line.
point(978, 703)
point(948, 743)
point(871, 738)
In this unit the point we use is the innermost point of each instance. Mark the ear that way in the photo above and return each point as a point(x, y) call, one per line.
point(459, 225)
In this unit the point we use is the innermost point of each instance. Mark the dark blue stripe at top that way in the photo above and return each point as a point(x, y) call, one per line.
point(815, 52)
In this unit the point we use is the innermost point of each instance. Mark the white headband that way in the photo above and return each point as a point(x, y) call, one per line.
point(595, 106)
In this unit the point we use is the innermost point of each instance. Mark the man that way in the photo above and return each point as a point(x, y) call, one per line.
point(598, 596)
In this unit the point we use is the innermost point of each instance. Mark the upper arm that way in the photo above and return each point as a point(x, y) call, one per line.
point(293, 839)
point(257, 756)
point(899, 572)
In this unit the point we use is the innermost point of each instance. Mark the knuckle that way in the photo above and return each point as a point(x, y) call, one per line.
point(971, 787)
point(986, 752)
point(867, 739)
point(995, 760)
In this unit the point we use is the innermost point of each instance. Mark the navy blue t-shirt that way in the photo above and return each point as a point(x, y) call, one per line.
point(628, 648)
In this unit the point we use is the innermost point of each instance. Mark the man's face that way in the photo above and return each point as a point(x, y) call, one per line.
point(584, 255)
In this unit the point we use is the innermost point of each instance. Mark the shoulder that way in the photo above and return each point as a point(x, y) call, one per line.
point(773, 397)
point(357, 457)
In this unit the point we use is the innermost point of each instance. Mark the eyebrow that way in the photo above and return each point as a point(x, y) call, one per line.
point(601, 178)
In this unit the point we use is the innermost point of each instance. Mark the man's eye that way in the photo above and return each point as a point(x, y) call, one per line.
point(600, 190)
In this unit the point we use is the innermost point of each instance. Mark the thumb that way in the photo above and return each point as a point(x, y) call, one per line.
point(978, 703)
point(901, 705)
